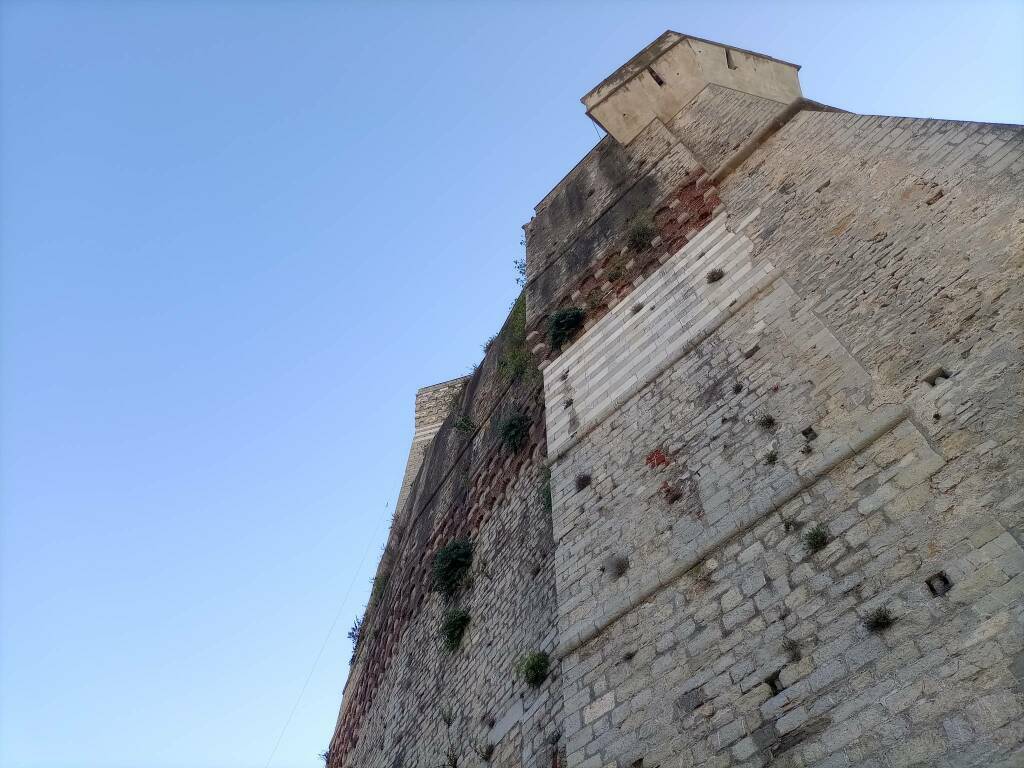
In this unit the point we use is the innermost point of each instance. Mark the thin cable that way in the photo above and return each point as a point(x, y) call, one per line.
point(323, 647)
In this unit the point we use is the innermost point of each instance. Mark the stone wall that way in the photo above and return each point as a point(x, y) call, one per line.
point(870, 304)
point(785, 465)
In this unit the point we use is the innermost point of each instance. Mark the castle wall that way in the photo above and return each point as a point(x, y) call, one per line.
point(829, 338)
point(845, 290)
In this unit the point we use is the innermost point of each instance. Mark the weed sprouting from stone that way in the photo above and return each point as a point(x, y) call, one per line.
point(771, 456)
point(484, 750)
point(642, 231)
point(450, 566)
point(879, 619)
point(563, 324)
point(453, 626)
point(534, 667)
point(465, 425)
point(514, 431)
point(816, 538)
point(714, 275)
point(765, 420)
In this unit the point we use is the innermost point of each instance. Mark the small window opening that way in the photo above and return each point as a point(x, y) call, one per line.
point(939, 584)
point(729, 59)
point(655, 75)
point(809, 434)
point(774, 683)
point(937, 375)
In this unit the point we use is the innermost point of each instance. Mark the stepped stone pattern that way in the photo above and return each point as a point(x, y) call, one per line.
point(764, 506)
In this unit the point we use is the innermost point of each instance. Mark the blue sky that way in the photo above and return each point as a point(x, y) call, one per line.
point(235, 238)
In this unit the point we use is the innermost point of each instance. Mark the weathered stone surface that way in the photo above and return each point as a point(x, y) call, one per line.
point(833, 358)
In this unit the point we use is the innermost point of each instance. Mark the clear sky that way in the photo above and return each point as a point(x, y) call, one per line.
point(235, 238)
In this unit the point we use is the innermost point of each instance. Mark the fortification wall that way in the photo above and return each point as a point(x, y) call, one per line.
point(870, 293)
point(824, 347)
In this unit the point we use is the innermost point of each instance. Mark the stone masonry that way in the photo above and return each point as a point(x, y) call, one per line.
point(770, 509)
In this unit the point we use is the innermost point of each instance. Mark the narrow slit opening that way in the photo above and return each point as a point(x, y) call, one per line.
point(655, 76)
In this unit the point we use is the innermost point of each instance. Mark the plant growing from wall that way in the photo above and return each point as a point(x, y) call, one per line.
point(879, 619)
point(483, 749)
point(641, 231)
point(816, 538)
point(563, 324)
point(450, 566)
point(534, 667)
point(765, 420)
point(464, 424)
point(514, 430)
point(516, 361)
point(714, 275)
point(453, 626)
point(771, 456)
point(380, 583)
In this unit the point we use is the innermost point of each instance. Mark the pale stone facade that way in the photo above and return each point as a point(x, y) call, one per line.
point(823, 340)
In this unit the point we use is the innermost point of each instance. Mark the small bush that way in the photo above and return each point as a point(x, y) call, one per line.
point(771, 456)
point(379, 584)
point(520, 266)
point(765, 421)
point(714, 275)
point(465, 425)
point(453, 627)
point(816, 538)
point(451, 564)
point(879, 619)
point(737, 388)
point(356, 629)
point(563, 324)
point(534, 667)
point(642, 231)
point(514, 430)
point(516, 360)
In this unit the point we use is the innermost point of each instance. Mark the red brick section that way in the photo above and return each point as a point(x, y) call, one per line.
point(614, 276)
point(487, 484)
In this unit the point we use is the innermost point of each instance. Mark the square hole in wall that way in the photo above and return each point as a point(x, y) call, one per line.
point(936, 375)
point(939, 584)
point(809, 434)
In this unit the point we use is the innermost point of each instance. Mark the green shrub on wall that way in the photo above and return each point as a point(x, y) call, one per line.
point(534, 667)
point(453, 626)
point(642, 231)
point(816, 538)
point(514, 430)
point(563, 324)
point(451, 564)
